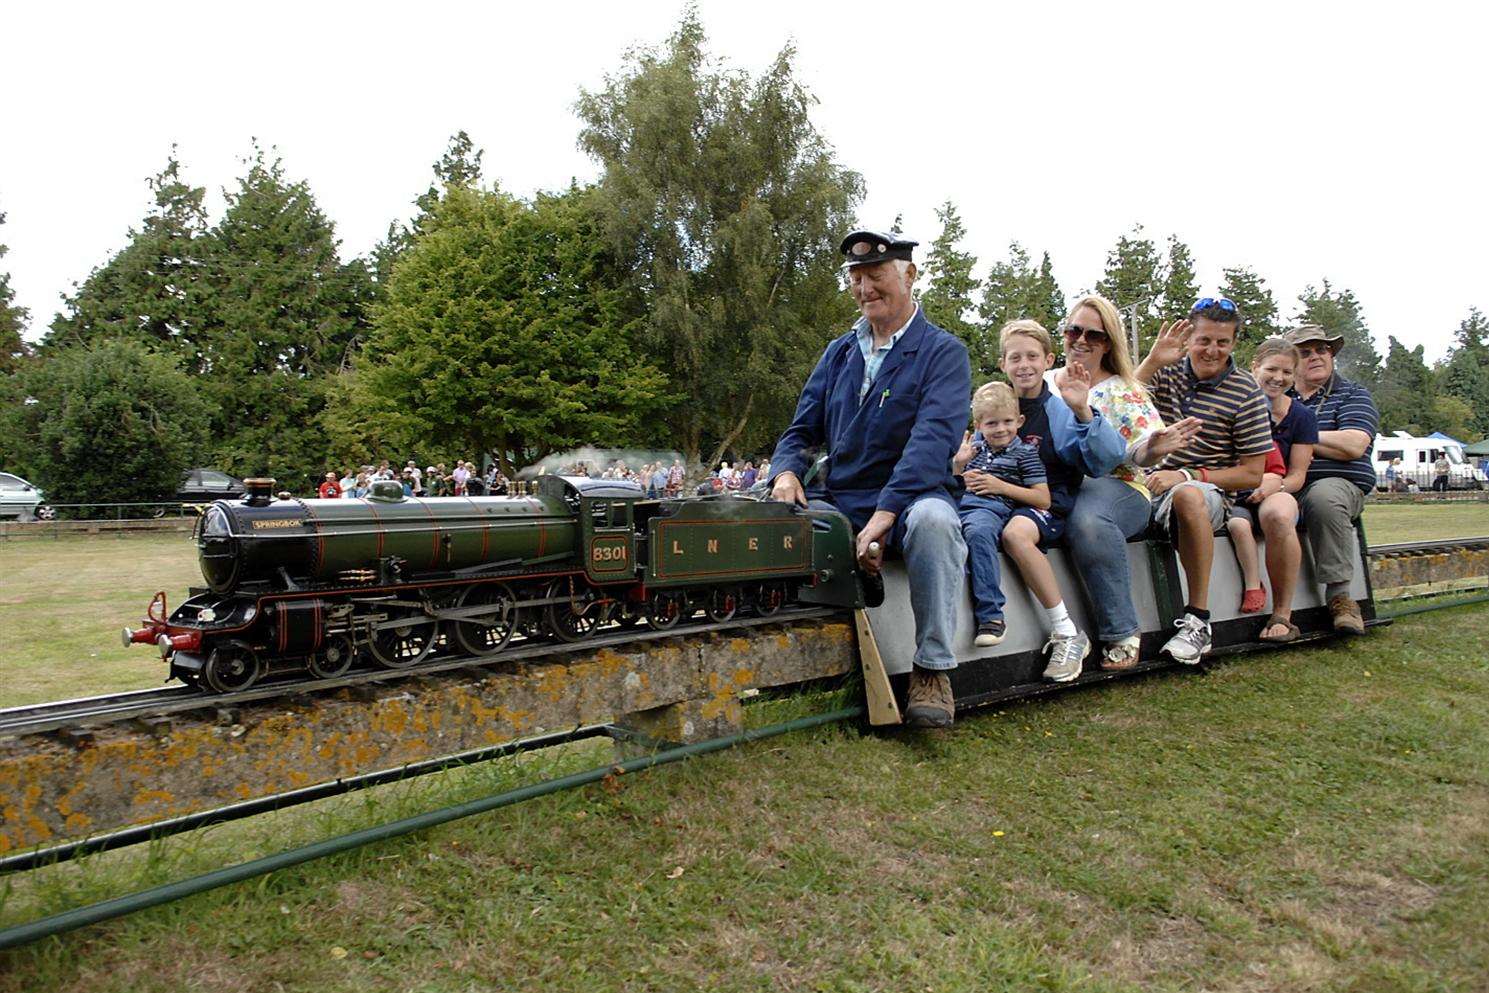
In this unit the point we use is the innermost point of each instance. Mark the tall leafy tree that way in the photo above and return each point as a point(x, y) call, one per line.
point(1464, 375)
point(1180, 287)
point(727, 205)
point(1340, 313)
point(1406, 390)
point(1016, 288)
point(152, 289)
point(950, 290)
point(13, 347)
point(1133, 280)
point(110, 421)
point(283, 313)
point(1258, 308)
point(508, 329)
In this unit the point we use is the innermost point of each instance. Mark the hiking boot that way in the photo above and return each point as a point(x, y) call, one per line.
point(930, 704)
point(1192, 641)
point(1346, 614)
point(990, 633)
point(1066, 654)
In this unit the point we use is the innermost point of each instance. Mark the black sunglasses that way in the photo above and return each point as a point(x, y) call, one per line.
point(1074, 332)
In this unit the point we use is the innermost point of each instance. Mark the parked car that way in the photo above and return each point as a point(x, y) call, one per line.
point(206, 485)
point(21, 500)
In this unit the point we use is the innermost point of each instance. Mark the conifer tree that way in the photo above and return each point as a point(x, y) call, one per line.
point(1258, 308)
point(1340, 314)
point(13, 347)
point(1180, 287)
point(1015, 289)
point(949, 289)
point(1464, 375)
point(1133, 280)
point(1406, 390)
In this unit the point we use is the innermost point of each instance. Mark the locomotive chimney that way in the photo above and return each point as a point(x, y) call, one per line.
point(258, 492)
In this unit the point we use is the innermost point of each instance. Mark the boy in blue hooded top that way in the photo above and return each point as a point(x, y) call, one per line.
point(887, 402)
point(1073, 441)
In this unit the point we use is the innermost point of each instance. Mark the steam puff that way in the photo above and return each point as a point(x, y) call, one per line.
point(598, 460)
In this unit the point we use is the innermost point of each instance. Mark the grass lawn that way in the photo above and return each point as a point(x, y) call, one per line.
point(63, 601)
point(1304, 820)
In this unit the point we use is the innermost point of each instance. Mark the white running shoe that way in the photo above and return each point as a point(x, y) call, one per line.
point(1192, 641)
point(1066, 654)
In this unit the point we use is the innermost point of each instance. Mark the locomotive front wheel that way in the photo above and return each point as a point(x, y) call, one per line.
point(722, 605)
point(770, 598)
point(488, 633)
point(399, 646)
point(230, 670)
point(333, 658)
point(572, 618)
point(664, 610)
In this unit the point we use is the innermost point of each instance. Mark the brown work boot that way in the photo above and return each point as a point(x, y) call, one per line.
point(930, 704)
point(1346, 614)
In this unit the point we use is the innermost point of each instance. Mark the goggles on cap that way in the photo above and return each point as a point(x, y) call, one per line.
point(861, 248)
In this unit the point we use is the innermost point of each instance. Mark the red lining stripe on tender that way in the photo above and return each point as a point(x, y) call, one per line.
point(434, 550)
point(382, 535)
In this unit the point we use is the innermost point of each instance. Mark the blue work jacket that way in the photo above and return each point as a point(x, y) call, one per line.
point(895, 445)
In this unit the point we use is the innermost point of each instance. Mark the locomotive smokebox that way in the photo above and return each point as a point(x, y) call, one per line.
point(258, 492)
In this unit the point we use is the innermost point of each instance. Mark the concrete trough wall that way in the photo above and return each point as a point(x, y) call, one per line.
point(686, 688)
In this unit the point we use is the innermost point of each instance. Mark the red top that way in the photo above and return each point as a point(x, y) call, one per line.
point(330, 491)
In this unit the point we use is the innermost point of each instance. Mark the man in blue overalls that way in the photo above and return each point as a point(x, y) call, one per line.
point(888, 402)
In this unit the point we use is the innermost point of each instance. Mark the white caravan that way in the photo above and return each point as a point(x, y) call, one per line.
point(1416, 470)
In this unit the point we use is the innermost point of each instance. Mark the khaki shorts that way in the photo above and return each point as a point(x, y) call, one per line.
point(1216, 503)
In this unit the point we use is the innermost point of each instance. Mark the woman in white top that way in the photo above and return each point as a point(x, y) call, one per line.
point(1110, 510)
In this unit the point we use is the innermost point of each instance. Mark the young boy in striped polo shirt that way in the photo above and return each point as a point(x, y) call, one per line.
point(1190, 373)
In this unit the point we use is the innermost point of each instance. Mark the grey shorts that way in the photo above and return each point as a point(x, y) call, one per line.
point(1215, 502)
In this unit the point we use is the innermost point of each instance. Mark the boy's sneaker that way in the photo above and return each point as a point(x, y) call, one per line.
point(990, 633)
point(1067, 652)
point(1192, 641)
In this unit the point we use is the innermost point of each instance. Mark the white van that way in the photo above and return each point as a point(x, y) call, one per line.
point(1418, 458)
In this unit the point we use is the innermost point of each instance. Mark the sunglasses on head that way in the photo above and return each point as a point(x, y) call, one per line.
point(1205, 303)
point(1074, 332)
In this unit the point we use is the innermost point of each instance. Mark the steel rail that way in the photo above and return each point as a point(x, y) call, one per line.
point(1423, 547)
point(172, 700)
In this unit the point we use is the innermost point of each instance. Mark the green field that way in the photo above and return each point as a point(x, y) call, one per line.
point(63, 601)
point(1307, 820)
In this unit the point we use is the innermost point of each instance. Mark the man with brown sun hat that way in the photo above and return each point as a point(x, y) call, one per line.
point(1341, 473)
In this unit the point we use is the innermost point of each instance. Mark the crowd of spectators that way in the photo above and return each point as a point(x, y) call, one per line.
point(658, 479)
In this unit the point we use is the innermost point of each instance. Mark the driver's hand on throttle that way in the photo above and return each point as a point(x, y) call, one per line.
point(787, 489)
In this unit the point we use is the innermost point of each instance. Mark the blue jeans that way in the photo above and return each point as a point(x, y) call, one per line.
point(983, 520)
point(1107, 512)
point(930, 536)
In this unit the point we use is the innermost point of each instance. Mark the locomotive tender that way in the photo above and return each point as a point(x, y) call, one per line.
point(318, 585)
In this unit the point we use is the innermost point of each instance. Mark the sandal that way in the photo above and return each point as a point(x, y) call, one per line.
point(1291, 634)
point(1252, 601)
point(1120, 656)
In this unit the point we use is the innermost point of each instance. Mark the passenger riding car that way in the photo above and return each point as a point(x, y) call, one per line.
point(21, 500)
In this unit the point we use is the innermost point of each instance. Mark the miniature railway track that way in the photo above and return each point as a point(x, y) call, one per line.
point(1427, 547)
point(85, 712)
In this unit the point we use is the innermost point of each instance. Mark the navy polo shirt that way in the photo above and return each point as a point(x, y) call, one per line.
point(1342, 405)
point(1298, 427)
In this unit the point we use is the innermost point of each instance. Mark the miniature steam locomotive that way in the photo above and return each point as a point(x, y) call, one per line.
point(320, 585)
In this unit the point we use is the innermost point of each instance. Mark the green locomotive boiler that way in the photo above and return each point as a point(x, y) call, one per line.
point(316, 586)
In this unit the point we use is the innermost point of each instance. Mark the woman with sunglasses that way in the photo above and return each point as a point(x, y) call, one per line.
point(1110, 510)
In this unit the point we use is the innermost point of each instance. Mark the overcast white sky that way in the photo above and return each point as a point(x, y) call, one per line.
point(1305, 140)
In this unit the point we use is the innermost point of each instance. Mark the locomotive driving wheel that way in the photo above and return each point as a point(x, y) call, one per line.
point(230, 668)
point(665, 609)
point(486, 633)
point(723, 604)
point(395, 645)
point(576, 615)
point(333, 658)
point(769, 598)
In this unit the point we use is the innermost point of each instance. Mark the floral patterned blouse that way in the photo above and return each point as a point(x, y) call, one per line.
point(1127, 407)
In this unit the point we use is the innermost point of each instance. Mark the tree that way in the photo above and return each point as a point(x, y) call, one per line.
point(1180, 287)
point(13, 347)
point(282, 313)
point(151, 290)
point(1015, 289)
point(949, 291)
point(1134, 279)
point(1464, 376)
point(507, 328)
point(1341, 314)
point(112, 421)
point(1405, 393)
point(726, 205)
point(1258, 308)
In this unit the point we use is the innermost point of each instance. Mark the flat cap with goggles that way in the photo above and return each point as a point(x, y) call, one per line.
point(869, 247)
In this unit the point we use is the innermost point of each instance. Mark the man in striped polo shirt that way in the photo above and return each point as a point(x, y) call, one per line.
point(1341, 473)
point(1190, 373)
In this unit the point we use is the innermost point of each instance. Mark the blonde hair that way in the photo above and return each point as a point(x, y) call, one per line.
point(1116, 360)
point(1029, 329)
point(1276, 346)
point(992, 398)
